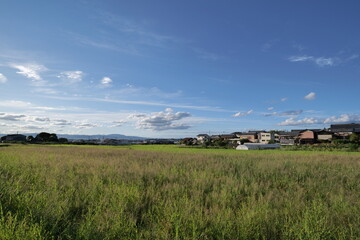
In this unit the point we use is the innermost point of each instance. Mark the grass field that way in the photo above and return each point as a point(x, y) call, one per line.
point(167, 192)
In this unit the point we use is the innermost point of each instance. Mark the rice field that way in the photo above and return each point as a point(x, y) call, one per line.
point(167, 192)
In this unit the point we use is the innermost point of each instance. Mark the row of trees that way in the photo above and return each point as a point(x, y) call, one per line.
point(42, 137)
point(46, 137)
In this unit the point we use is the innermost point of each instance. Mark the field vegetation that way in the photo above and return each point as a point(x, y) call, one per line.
point(167, 192)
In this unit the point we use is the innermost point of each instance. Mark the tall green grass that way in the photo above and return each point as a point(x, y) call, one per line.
point(49, 192)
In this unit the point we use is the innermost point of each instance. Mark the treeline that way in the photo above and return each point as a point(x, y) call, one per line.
point(42, 137)
point(45, 137)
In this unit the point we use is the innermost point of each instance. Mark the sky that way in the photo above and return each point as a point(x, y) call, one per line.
point(177, 68)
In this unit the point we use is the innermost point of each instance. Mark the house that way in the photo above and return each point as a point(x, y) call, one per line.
point(345, 130)
point(266, 137)
point(288, 138)
point(189, 141)
point(214, 137)
point(14, 138)
point(227, 136)
point(251, 136)
point(324, 135)
point(257, 146)
point(307, 137)
point(201, 138)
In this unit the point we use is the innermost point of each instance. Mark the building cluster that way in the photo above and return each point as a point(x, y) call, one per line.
point(293, 137)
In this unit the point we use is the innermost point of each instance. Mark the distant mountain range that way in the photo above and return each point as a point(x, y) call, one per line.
point(76, 137)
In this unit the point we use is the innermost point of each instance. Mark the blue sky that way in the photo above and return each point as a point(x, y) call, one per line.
point(177, 68)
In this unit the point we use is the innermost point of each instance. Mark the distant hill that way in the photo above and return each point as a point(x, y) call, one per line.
point(76, 137)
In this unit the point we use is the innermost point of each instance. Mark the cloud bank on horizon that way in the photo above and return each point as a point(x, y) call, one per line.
point(107, 67)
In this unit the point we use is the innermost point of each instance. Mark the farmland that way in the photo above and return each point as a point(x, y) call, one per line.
point(167, 192)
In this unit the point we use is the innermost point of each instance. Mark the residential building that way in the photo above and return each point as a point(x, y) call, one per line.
point(251, 136)
point(14, 138)
point(288, 138)
point(307, 137)
point(266, 137)
point(345, 130)
point(201, 138)
point(227, 136)
point(324, 135)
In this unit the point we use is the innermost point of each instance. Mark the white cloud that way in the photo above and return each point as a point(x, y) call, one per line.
point(106, 82)
point(283, 99)
point(11, 117)
point(161, 121)
point(294, 122)
point(270, 108)
point(310, 96)
point(118, 123)
point(31, 71)
point(352, 57)
point(300, 58)
point(45, 90)
point(319, 61)
point(3, 78)
point(72, 77)
point(206, 55)
point(131, 90)
point(344, 118)
point(285, 113)
point(85, 125)
point(242, 114)
point(15, 104)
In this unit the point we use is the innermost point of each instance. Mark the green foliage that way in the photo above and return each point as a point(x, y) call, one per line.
point(46, 137)
point(355, 138)
point(167, 192)
point(63, 140)
point(244, 140)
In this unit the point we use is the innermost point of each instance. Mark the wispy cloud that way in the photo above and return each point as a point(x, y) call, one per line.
point(352, 57)
point(145, 103)
point(71, 77)
point(303, 58)
point(206, 55)
point(118, 123)
point(3, 78)
point(161, 121)
point(283, 99)
point(242, 114)
point(138, 30)
point(270, 108)
point(15, 104)
point(11, 117)
point(134, 91)
point(310, 96)
point(320, 61)
point(285, 113)
point(31, 71)
point(129, 48)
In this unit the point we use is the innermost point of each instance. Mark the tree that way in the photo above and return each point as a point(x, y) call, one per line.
point(63, 140)
point(30, 139)
point(355, 138)
point(46, 137)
